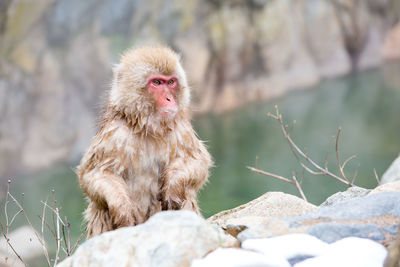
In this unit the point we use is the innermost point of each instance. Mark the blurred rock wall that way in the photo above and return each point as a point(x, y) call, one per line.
point(56, 58)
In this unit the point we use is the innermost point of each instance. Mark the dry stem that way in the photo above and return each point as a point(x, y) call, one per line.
point(58, 226)
point(301, 156)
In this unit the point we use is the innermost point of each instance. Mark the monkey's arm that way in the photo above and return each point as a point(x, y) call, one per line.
point(109, 191)
point(184, 176)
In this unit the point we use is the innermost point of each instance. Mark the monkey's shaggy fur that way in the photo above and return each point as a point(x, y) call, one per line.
point(141, 162)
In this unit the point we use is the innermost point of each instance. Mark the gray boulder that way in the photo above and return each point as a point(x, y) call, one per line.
point(350, 193)
point(375, 216)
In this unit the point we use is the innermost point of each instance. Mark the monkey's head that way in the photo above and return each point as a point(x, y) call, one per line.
point(150, 82)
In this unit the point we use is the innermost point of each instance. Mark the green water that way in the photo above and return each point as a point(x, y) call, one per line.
point(365, 105)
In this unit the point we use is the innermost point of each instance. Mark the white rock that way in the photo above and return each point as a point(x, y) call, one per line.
point(287, 246)
point(167, 239)
point(233, 257)
point(351, 252)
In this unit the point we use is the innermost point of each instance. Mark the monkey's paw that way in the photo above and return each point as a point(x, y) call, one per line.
point(169, 202)
point(123, 215)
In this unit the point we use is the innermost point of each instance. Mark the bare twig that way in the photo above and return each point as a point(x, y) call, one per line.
point(298, 152)
point(69, 237)
point(58, 226)
point(77, 241)
point(306, 162)
point(340, 165)
point(58, 238)
point(53, 204)
point(377, 177)
point(271, 175)
point(10, 245)
point(6, 206)
point(47, 226)
point(355, 173)
point(298, 186)
point(41, 241)
point(45, 252)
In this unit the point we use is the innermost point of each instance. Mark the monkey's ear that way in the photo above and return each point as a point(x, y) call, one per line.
point(117, 72)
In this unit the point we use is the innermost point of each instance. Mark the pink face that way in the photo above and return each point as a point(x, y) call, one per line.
point(164, 89)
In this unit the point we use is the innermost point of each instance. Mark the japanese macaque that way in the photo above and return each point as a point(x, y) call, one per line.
point(146, 156)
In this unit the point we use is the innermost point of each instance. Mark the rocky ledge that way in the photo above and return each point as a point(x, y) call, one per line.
point(352, 228)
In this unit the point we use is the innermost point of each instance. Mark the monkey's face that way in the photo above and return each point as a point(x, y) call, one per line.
point(150, 82)
point(164, 89)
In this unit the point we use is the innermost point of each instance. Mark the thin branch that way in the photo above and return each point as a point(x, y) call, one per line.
point(46, 254)
point(53, 204)
point(355, 174)
point(69, 236)
point(47, 226)
point(15, 215)
point(341, 166)
point(348, 160)
point(298, 186)
point(58, 239)
point(31, 226)
point(55, 212)
point(377, 177)
point(77, 241)
point(58, 225)
point(295, 149)
point(271, 175)
point(6, 206)
point(10, 245)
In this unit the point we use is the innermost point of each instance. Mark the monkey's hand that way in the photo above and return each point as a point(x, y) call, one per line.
point(122, 212)
point(109, 191)
point(178, 190)
point(185, 175)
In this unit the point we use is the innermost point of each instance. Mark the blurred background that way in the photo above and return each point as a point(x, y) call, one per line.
point(326, 63)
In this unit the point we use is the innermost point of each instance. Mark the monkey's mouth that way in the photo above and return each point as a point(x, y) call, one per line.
point(168, 112)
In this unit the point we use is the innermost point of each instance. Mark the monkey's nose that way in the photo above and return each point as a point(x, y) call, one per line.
point(168, 99)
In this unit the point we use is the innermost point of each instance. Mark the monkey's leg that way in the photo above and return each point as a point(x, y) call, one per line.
point(109, 192)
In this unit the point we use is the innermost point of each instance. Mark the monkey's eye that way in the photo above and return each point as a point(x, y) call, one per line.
point(170, 82)
point(156, 82)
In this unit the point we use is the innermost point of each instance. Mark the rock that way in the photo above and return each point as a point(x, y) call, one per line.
point(171, 238)
point(325, 39)
point(393, 257)
point(272, 227)
point(351, 251)
point(287, 246)
point(259, 217)
point(233, 257)
point(372, 216)
point(351, 192)
point(392, 173)
point(390, 49)
point(270, 205)
point(387, 187)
